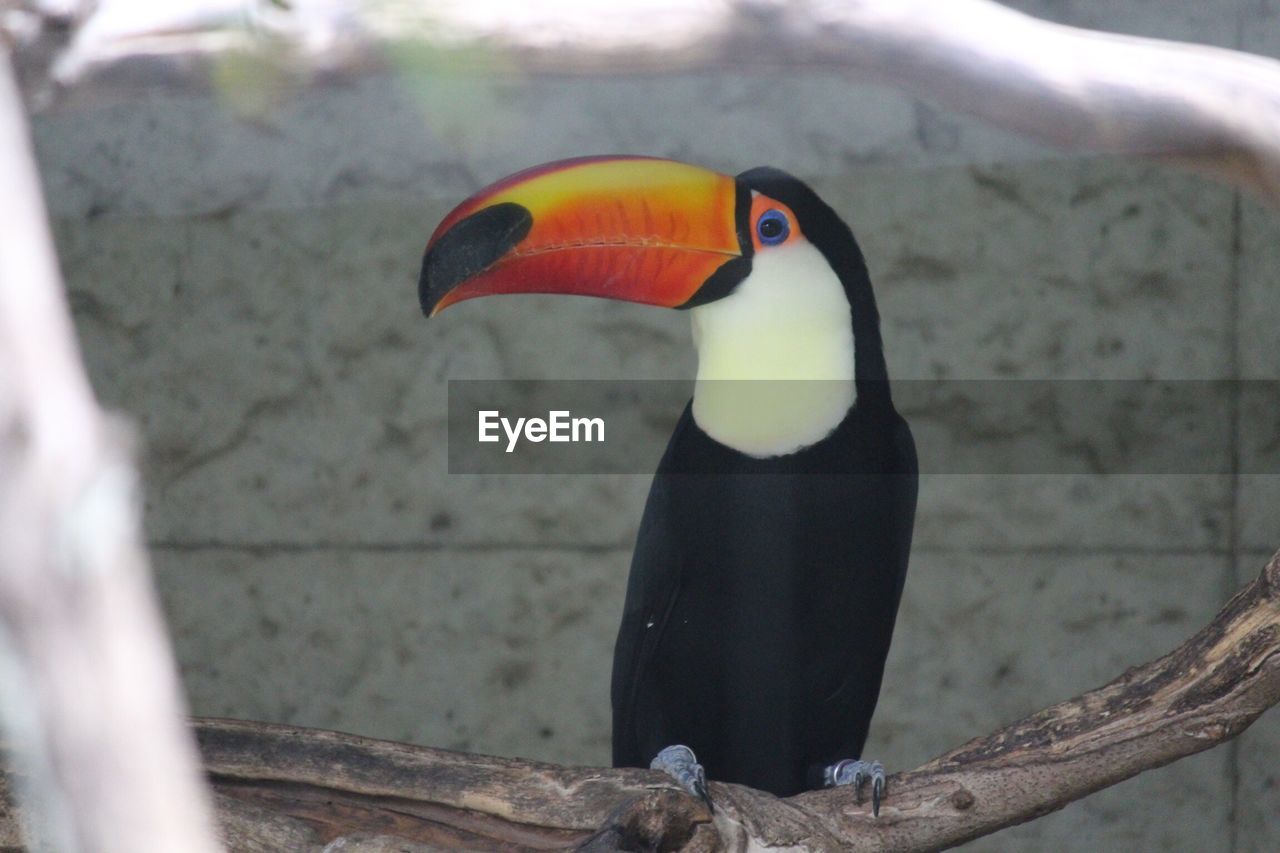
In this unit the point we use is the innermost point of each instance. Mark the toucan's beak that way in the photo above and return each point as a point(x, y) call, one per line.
point(632, 228)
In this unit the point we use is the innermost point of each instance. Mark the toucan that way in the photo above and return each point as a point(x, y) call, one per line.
point(772, 552)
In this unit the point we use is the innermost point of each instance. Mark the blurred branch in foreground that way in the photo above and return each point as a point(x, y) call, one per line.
point(1215, 109)
point(90, 696)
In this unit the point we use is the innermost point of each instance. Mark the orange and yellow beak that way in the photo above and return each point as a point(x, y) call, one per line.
point(632, 228)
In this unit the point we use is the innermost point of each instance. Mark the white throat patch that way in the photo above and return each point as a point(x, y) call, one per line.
point(775, 358)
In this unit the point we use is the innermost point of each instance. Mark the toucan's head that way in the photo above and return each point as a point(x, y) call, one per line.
point(775, 279)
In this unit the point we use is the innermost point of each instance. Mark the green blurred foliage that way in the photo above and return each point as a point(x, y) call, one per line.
point(465, 93)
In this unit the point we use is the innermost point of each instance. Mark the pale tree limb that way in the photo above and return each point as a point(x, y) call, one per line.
point(286, 788)
point(90, 695)
point(1215, 109)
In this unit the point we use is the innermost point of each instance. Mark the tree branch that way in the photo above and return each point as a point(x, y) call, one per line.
point(90, 694)
point(1215, 109)
point(280, 787)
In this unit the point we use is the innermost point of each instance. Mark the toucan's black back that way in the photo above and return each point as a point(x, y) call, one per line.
point(762, 600)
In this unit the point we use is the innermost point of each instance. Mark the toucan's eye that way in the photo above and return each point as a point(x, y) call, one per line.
point(773, 227)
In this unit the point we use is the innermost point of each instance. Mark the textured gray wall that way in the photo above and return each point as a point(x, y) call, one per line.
point(245, 290)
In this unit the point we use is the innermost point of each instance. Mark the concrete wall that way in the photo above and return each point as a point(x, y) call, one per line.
point(244, 289)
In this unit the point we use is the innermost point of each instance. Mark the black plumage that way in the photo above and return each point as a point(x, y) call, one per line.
point(763, 592)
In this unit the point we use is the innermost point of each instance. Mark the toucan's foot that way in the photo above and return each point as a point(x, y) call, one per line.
point(679, 762)
point(853, 772)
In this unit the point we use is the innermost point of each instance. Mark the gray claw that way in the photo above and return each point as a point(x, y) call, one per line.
point(854, 772)
point(679, 762)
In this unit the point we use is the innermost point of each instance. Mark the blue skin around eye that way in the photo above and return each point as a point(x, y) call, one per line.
point(770, 216)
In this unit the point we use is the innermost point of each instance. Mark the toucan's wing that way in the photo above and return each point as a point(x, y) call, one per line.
point(653, 589)
point(864, 610)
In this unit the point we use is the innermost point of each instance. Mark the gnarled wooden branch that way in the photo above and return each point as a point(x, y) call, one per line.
point(283, 788)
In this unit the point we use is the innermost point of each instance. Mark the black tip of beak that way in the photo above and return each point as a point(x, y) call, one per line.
point(468, 248)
